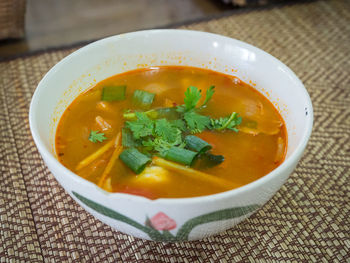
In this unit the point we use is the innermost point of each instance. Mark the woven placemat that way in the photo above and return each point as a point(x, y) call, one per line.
point(308, 220)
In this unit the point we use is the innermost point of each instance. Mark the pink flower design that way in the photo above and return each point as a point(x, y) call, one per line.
point(161, 221)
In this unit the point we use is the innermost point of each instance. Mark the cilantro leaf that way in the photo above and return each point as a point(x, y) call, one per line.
point(166, 131)
point(180, 124)
point(192, 96)
point(154, 135)
point(196, 122)
point(209, 94)
point(141, 127)
point(157, 144)
point(162, 146)
point(229, 122)
point(95, 136)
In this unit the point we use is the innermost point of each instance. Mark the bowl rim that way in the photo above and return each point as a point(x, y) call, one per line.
point(285, 165)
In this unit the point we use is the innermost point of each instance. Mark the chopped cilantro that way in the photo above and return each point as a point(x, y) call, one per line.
point(155, 135)
point(229, 122)
point(142, 126)
point(155, 145)
point(166, 130)
point(95, 136)
point(180, 124)
point(192, 96)
point(161, 146)
point(163, 131)
point(196, 122)
point(208, 95)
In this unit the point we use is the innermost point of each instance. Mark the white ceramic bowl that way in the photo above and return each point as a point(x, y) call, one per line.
point(182, 218)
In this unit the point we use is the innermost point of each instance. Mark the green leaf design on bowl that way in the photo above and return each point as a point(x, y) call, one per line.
point(152, 233)
point(165, 235)
point(218, 215)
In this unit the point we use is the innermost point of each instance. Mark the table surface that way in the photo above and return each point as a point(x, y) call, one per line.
point(308, 220)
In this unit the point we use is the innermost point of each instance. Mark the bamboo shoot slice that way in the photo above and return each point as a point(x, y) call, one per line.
point(98, 153)
point(197, 175)
point(114, 157)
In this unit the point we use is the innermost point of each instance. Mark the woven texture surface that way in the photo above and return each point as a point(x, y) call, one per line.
point(308, 220)
point(12, 18)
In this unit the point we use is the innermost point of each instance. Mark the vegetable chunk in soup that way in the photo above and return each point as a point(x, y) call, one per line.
point(170, 132)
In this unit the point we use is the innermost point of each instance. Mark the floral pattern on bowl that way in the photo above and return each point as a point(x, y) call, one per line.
point(157, 227)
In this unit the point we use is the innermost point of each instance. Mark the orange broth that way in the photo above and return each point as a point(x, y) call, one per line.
point(255, 150)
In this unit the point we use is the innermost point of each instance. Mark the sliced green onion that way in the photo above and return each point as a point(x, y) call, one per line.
point(197, 144)
point(128, 139)
point(153, 114)
point(168, 113)
point(143, 98)
point(208, 160)
point(180, 155)
point(135, 160)
point(113, 93)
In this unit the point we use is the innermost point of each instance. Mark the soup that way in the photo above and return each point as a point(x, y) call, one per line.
point(171, 132)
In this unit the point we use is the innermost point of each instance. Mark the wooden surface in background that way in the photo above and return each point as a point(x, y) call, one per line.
point(52, 23)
